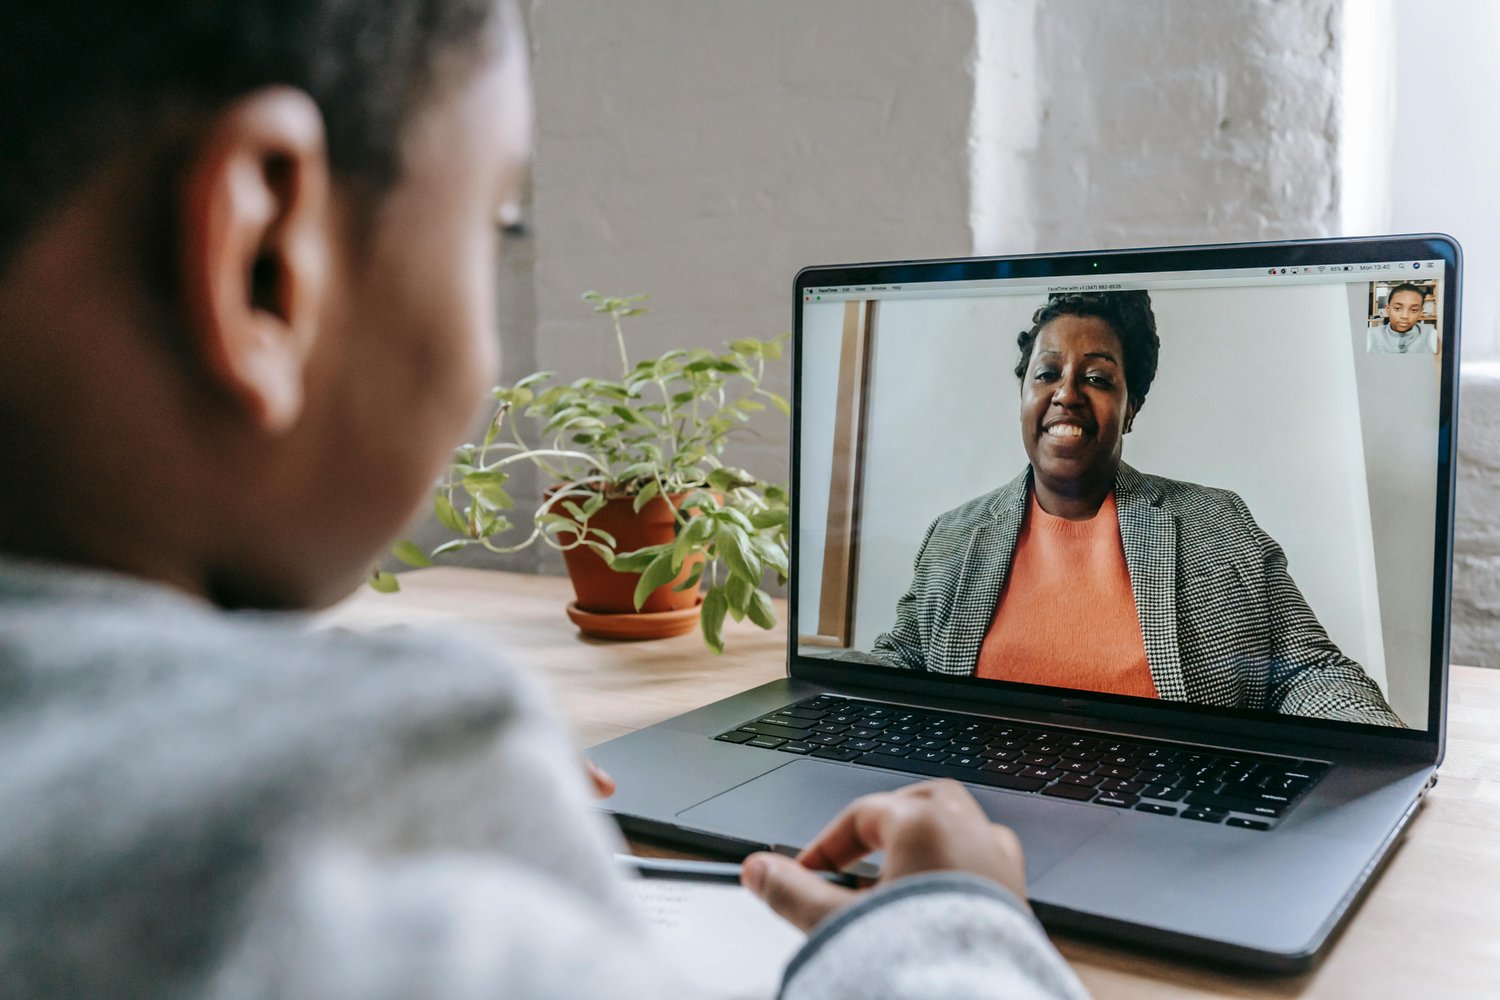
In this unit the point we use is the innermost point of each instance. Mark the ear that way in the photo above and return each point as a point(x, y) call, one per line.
point(1129, 416)
point(254, 223)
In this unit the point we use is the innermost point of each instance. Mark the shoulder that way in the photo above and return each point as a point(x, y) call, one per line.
point(987, 506)
point(1189, 502)
point(171, 706)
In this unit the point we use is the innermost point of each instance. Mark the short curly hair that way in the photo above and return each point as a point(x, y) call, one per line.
point(1128, 314)
point(86, 79)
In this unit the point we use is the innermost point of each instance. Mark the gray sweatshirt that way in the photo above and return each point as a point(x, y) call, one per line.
point(196, 803)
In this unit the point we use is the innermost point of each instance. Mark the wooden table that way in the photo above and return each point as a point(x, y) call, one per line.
point(1430, 927)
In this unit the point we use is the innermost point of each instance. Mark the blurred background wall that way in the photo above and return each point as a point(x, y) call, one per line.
point(704, 150)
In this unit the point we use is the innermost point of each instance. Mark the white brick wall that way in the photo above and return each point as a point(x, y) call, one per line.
point(1476, 569)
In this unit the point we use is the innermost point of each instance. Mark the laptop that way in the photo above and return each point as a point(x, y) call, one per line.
point(1151, 549)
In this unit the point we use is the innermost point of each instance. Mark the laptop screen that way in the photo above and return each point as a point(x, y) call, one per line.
point(1214, 487)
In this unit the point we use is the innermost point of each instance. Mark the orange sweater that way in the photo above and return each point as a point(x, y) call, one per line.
point(1066, 617)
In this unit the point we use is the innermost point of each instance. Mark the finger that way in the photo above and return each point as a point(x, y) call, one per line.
point(599, 779)
point(799, 896)
point(856, 831)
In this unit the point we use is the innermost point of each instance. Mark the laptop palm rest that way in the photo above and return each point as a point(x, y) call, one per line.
point(793, 803)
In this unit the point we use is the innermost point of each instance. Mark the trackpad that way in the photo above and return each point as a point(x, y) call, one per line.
point(792, 804)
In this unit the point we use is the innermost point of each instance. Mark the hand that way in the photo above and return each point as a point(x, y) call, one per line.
point(932, 826)
point(599, 779)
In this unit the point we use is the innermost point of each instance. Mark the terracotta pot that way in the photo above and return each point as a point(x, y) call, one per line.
point(603, 592)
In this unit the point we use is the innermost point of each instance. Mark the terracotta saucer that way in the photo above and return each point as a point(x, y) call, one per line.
point(637, 625)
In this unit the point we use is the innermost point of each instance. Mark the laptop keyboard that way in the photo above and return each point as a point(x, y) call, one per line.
point(1251, 791)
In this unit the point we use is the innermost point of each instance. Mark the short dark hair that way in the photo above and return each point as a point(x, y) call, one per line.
point(84, 79)
point(1407, 286)
point(1128, 314)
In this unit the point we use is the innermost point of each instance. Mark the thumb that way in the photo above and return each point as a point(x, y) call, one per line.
point(797, 894)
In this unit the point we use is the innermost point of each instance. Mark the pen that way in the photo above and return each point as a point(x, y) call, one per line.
point(726, 872)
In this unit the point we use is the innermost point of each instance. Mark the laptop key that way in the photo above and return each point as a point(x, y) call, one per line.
point(1085, 780)
point(929, 755)
point(835, 753)
point(803, 713)
point(766, 742)
point(1152, 807)
point(797, 748)
point(892, 751)
point(1247, 824)
point(961, 760)
point(766, 729)
point(933, 769)
point(1162, 792)
point(1004, 767)
point(1038, 760)
point(1014, 782)
point(1261, 807)
point(1118, 799)
point(826, 740)
point(1078, 793)
point(786, 720)
point(1203, 815)
point(861, 745)
point(735, 737)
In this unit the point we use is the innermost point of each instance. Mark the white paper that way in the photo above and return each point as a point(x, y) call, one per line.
point(726, 942)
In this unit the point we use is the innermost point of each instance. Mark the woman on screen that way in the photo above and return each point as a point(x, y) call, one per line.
point(1084, 573)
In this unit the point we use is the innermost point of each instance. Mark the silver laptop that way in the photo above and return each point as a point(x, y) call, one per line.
point(1149, 548)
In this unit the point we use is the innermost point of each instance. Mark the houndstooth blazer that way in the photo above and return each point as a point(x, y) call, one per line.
point(1222, 620)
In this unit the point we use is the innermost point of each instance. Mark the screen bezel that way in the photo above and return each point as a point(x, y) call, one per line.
point(990, 694)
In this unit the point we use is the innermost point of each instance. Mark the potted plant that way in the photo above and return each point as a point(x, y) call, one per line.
point(646, 514)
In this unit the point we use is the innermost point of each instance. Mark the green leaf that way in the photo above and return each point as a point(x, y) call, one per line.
point(658, 573)
point(453, 546)
point(772, 348)
point(533, 379)
point(739, 591)
point(487, 486)
point(409, 553)
point(700, 500)
point(692, 579)
point(691, 537)
point(640, 470)
point(592, 505)
point(734, 547)
point(637, 561)
point(626, 414)
point(763, 519)
point(760, 610)
point(448, 515)
point(384, 582)
point(723, 480)
point(647, 493)
point(746, 346)
point(575, 510)
point(738, 517)
point(771, 553)
point(605, 537)
point(711, 618)
point(780, 403)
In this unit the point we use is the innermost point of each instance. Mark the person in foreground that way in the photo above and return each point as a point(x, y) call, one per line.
point(246, 272)
point(1083, 573)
